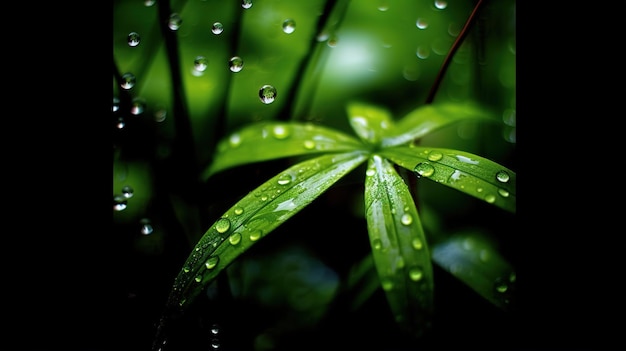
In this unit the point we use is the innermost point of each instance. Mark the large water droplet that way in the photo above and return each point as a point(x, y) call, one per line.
point(280, 132)
point(435, 156)
point(128, 81)
point(284, 179)
point(222, 225)
point(200, 63)
point(174, 21)
point(234, 239)
point(406, 219)
point(267, 94)
point(424, 169)
point(133, 39)
point(212, 262)
point(255, 235)
point(289, 26)
point(502, 176)
point(235, 64)
point(217, 28)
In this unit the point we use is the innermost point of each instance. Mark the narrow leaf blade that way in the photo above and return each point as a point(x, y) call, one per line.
point(265, 141)
point(399, 246)
point(425, 119)
point(472, 174)
point(370, 122)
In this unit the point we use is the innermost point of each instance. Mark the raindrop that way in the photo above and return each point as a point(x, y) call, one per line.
point(421, 23)
point(160, 115)
point(234, 140)
point(212, 262)
point(490, 198)
point(235, 64)
point(128, 81)
point(217, 28)
point(133, 39)
point(370, 172)
point(377, 244)
point(222, 225)
point(149, 3)
point(422, 52)
point(255, 235)
point(417, 244)
point(387, 284)
point(175, 21)
point(441, 4)
point(406, 219)
point(116, 104)
point(416, 274)
point(284, 179)
point(424, 169)
point(215, 344)
point(309, 144)
point(121, 123)
point(289, 26)
point(200, 63)
point(215, 329)
point(146, 226)
point(503, 192)
point(502, 176)
point(280, 132)
point(198, 278)
point(501, 286)
point(127, 191)
point(267, 94)
point(246, 4)
point(119, 203)
point(138, 106)
point(238, 210)
point(234, 239)
point(435, 156)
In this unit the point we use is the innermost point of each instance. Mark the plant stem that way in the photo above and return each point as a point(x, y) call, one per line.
point(455, 46)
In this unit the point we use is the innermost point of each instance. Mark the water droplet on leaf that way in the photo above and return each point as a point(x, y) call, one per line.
point(267, 94)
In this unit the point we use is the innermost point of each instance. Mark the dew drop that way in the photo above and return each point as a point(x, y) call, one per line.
point(435, 156)
point(235, 64)
point(422, 52)
point(502, 176)
point(441, 4)
point(146, 226)
point(160, 115)
point(501, 286)
point(309, 144)
point(200, 63)
point(198, 278)
point(234, 140)
point(280, 132)
point(138, 106)
point(416, 274)
point(217, 28)
point(406, 219)
point(377, 244)
point(387, 284)
point(255, 235)
point(289, 26)
point(284, 179)
point(503, 192)
point(116, 104)
point(421, 23)
point(128, 81)
point(222, 225)
point(417, 244)
point(174, 21)
point(267, 94)
point(186, 269)
point(370, 172)
point(133, 39)
point(490, 198)
point(121, 123)
point(246, 4)
point(119, 203)
point(234, 239)
point(212, 262)
point(127, 191)
point(238, 210)
point(215, 329)
point(424, 169)
point(149, 3)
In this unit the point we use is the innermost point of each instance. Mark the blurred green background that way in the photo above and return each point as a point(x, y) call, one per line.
point(287, 291)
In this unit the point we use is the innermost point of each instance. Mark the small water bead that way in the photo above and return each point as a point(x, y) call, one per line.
point(198, 278)
point(133, 39)
point(235, 64)
point(246, 4)
point(116, 104)
point(234, 239)
point(186, 269)
point(128, 81)
point(222, 225)
point(502, 176)
point(255, 235)
point(501, 285)
point(138, 106)
point(285, 179)
point(215, 329)
point(128, 191)
point(200, 63)
point(215, 344)
point(212, 262)
point(119, 203)
point(441, 4)
point(234, 140)
point(121, 123)
point(370, 172)
point(160, 115)
point(267, 94)
point(309, 144)
point(416, 274)
point(406, 219)
point(421, 23)
point(417, 244)
point(424, 169)
point(387, 284)
point(238, 210)
point(149, 3)
point(289, 26)
point(377, 244)
point(217, 28)
point(435, 156)
point(174, 21)
point(490, 198)
point(503, 192)
point(280, 132)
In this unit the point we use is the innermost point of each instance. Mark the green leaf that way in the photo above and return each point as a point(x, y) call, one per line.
point(265, 141)
point(399, 246)
point(474, 175)
point(472, 258)
point(427, 118)
point(371, 123)
point(255, 216)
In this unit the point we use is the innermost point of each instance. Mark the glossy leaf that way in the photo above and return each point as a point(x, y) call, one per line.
point(428, 118)
point(399, 246)
point(265, 141)
point(474, 175)
point(473, 258)
point(370, 122)
point(254, 217)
